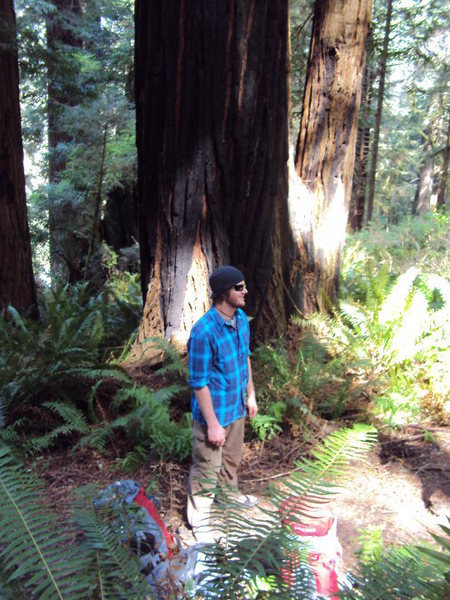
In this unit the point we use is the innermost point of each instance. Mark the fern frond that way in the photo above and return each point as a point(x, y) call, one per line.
point(395, 572)
point(31, 551)
point(117, 570)
point(107, 539)
point(73, 419)
point(264, 551)
point(148, 423)
point(173, 362)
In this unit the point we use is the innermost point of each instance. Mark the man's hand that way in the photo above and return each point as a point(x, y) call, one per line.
point(252, 406)
point(216, 435)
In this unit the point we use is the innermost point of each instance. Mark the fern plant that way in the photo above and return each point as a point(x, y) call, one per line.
point(43, 556)
point(399, 342)
point(54, 361)
point(147, 425)
point(97, 561)
point(108, 548)
point(400, 572)
point(257, 548)
point(35, 557)
point(302, 376)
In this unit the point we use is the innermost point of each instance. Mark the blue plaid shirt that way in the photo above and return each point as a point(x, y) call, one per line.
point(218, 358)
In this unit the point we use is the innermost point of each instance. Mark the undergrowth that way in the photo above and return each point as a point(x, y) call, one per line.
point(61, 379)
point(102, 559)
point(51, 369)
point(384, 352)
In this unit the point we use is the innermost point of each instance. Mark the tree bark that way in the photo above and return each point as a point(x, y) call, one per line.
point(67, 247)
point(17, 287)
point(444, 173)
point(424, 189)
point(359, 188)
point(325, 152)
point(211, 99)
point(379, 113)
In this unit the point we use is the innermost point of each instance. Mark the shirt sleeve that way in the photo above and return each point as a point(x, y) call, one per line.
point(200, 361)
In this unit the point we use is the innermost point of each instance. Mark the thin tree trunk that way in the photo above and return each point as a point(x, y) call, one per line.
point(379, 112)
point(95, 225)
point(211, 97)
point(17, 285)
point(326, 148)
point(424, 189)
point(66, 247)
point(359, 188)
point(443, 183)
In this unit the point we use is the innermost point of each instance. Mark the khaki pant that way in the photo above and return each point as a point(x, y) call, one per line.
point(212, 465)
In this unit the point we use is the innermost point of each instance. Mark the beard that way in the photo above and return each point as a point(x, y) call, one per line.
point(234, 300)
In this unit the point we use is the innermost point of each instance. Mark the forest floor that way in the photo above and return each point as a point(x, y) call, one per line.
point(402, 488)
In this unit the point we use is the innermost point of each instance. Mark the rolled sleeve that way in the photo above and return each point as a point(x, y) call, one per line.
point(200, 360)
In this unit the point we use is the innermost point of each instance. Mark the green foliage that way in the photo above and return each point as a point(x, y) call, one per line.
point(300, 19)
point(43, 557)
point(400, 322)
point(403, 572)
point(36, 559)
point(87, 81)
point(390, 334)
point(383, 252)
point(415, 102)
point(298, 376)
point(266, 426)
point(48, 367)
point(254, 550)
point(147, 425)
point(173, 363)
point(107, 543)
point(440, 560)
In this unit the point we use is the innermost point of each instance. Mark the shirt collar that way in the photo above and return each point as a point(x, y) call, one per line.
point(220, 320)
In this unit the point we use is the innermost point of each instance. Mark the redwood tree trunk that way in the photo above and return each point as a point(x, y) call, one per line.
point(444, 173)
point(16, 274)
point(424, 190)
point(359, 188)
point(67, 248)
point(326, 146)
point(211, 96)
point(379, 113)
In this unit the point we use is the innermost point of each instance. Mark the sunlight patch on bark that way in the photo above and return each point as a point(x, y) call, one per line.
point(329, 232)
point(196, 300)
point(300, 204)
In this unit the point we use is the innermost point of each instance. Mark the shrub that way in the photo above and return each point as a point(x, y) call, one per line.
point(59, 359)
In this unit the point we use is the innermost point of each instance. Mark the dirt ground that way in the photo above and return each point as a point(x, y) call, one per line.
point(402, 488)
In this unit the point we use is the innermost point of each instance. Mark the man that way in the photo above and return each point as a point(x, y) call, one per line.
point(222, 383)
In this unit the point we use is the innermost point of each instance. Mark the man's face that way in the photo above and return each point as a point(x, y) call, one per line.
point(236, 295)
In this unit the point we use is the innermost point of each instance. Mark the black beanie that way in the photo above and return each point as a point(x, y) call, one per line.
point(223, 278)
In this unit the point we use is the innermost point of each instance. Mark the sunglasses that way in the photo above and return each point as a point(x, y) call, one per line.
point(240, 286)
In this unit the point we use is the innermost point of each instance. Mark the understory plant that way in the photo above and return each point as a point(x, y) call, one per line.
point(89, 556)
point(49, 366)
point(398, 344)
point(299, 377)
point(146, 425)
point(408, 571)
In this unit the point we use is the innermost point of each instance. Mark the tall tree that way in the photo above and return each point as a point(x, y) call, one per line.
point(424, 190)
point(359, 187)
point(211, 96)
point(66, 246)
point(325, 152)
point(441, 199)
point(379, 112)
point(17, 285)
